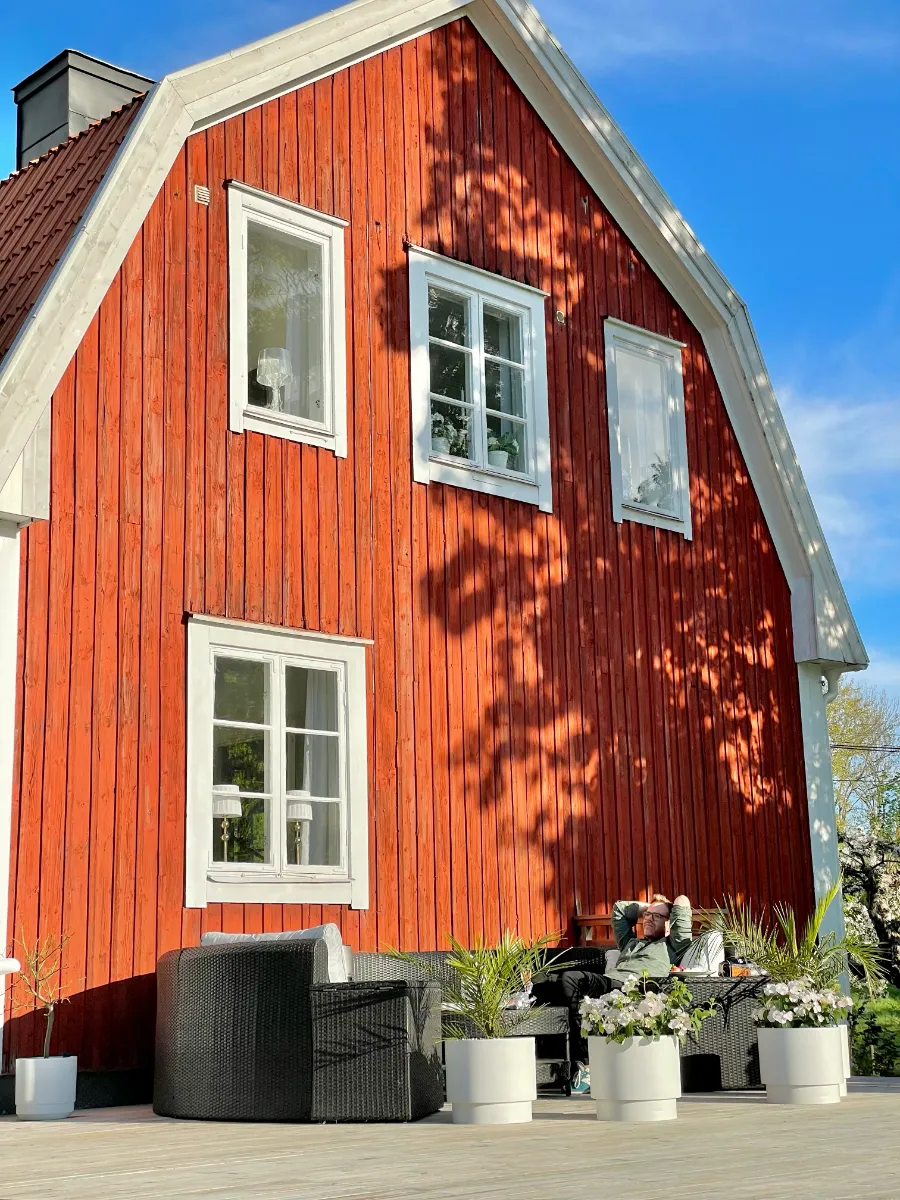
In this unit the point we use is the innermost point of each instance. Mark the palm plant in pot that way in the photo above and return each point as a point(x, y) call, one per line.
point(633, 1037)
point(45, 1086)
point(491, 1077)
point(804, 1053)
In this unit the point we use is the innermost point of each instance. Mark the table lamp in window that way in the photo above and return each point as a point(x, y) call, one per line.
point(300, 813)
point(226, 803)
point(273, 371)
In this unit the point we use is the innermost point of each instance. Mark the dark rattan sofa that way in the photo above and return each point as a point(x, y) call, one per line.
point(723, 1056)
point(254, 1032)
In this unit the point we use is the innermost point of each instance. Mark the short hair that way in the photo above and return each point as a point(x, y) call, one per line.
point(658, 902)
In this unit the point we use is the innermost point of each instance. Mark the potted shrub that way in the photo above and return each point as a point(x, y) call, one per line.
point(491, 1076)
point(801, 1058)
point(789, 955)
point(45, 1086)
point(501, 450)
point(633, 1038)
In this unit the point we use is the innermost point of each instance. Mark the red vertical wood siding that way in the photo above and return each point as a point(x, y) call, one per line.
point(563, 710)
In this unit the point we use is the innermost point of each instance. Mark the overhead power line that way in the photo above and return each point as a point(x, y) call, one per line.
point(874, 749)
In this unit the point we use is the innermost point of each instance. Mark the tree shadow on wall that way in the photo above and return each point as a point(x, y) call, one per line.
point(609, 691)
point(110, 1028)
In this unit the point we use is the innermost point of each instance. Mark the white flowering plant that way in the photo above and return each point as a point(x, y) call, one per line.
point(799, 1004)
point(632, 1011)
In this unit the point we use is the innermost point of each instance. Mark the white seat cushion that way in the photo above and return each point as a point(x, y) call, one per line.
point(704, 955)
point(329, 934)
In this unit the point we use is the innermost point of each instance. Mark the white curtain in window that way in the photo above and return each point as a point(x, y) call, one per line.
point(320, 757)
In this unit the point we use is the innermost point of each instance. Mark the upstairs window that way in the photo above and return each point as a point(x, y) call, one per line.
point(648, 444)
point(286, 289)
point(276, 766)
point(479, 381)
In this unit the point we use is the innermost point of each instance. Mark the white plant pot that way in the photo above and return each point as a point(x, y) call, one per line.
point(845, 1055)
point(440, 445)
point(801, 1066)
point(635, 1080)
point(498, 458)
point(491, 1081)
point(45, 1087)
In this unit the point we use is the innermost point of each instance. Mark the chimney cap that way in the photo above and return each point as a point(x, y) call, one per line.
point(69, 59)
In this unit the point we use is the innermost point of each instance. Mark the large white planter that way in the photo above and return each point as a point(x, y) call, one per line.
point(498, 458)
point(491, 1081)
point(440, 445)
point(45, 1087)
point(635, 1080)
point(802, 1066)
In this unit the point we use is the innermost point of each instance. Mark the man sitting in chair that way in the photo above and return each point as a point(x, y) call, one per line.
point(665, 936)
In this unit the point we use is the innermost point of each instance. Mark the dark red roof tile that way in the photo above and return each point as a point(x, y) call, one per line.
point(40, 207)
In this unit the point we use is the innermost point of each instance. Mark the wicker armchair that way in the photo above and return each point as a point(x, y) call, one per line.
point(254, 1032)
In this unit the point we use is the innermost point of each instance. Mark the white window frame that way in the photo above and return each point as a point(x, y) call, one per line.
point(619, 334)
point(528, 303)
point(247, 204)
point(208, 882)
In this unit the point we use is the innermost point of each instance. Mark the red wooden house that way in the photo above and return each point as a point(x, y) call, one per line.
point(399, 526)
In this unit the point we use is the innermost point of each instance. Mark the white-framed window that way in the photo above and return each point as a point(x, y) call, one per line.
point(277, 807)
point(287, 362)
point(479, 380)
point(647, 437)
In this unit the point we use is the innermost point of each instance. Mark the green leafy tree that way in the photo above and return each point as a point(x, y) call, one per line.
point(864, 727)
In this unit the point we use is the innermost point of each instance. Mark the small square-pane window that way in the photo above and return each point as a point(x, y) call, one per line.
point(276, 766)
point(311, 699)
point(314, 833)
point(502, 334)
point(479, 380)
point(240, 693)
point(448, 316)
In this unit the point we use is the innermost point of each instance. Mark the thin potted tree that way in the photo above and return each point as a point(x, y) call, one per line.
point(804, 1053)
point(491, 1076)
point(633, 1037)
point(45, 1086)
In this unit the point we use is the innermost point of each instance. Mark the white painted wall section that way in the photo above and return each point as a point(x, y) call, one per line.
point(820, 791)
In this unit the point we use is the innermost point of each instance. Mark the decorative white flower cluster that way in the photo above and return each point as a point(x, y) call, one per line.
point(798, 1005)
point(630, 1012)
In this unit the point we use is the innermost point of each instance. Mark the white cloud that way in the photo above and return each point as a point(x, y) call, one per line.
point(849, 450)
point(612, 35)
point(883, 672)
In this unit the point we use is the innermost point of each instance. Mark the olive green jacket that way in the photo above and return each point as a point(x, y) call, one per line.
point(637, 955)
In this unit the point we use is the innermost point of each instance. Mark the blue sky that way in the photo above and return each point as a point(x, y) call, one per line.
point(772, 126)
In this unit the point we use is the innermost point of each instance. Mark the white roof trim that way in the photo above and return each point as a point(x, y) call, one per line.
point(199, 96)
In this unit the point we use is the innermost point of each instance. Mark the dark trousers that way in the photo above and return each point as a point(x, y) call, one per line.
point(575, 986)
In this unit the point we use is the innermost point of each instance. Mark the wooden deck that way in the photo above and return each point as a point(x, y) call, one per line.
point(735, 1146)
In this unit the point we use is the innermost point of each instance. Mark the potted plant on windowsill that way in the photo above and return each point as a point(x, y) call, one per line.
point(633, 1038)
point(806, 970)
point(491, 1075)
point(45, 1086)
point(501, 450)
point(443, 434)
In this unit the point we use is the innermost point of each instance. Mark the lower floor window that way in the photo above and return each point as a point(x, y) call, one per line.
point(276, 766)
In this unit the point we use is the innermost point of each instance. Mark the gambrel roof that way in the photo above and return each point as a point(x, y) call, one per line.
point(199, 96)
